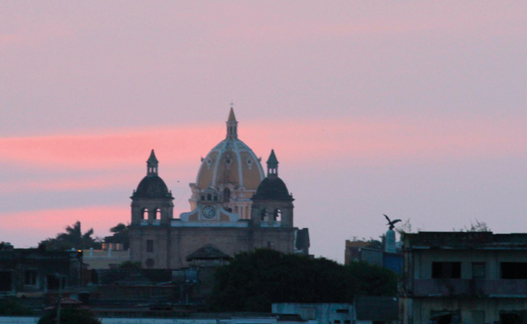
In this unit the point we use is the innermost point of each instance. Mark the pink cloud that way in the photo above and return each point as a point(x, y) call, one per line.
point(298, 139)
point(39, 225)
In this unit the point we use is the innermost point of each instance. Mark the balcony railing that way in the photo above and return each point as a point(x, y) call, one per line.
point(470, 287)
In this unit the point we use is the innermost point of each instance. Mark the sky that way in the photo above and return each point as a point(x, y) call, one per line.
point(414, 109)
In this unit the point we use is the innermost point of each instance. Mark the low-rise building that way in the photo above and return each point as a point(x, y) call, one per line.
point(364, 310)
point(107, 258)
point(464, 277)
point(38, 270)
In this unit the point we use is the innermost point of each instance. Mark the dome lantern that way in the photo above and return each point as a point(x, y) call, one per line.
point(152, 164)
point(232, 125)
point(272, 165)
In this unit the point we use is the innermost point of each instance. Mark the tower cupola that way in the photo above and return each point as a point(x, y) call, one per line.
point(272, 165)
point(151, 164)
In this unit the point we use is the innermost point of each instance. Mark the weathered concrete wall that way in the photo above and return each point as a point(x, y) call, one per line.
point(471, 309)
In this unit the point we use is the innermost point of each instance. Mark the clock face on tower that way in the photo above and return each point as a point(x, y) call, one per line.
point(209, 212)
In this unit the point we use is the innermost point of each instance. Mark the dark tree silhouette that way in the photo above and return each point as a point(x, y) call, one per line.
point(72, 238)
point(120, 235)
point(255, 280)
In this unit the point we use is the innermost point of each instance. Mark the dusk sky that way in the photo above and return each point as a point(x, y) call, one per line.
point(414, 109)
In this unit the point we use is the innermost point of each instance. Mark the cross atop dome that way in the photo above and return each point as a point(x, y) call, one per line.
point(232, 125)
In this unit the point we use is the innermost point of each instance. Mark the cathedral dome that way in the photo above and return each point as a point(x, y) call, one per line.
point(231, 163)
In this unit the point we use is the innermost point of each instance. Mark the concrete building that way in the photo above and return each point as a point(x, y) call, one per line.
point(37, 270)
point(233, 208)
point(464, 277)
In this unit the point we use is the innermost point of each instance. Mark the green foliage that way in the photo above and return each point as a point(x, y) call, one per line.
point(255, 280)
point(70, 316)
point(120, 235)
point(72, 238)
point(9, 307)
point(130, 265)
point(372, 280)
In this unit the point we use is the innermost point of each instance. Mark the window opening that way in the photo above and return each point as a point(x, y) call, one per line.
point(446, 270)
point(30, 277)
point(277, 215)
point(263, 213)
point(514, 270)
point(145, 213)
point(5, 280)
point(226, 195)
point(158, 213)
point(149, 245)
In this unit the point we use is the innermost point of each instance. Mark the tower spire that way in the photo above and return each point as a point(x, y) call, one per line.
point(151, 164)
point(232, 124)
point(272, 165)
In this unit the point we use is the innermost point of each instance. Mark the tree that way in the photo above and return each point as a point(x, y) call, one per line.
point(120, 235)
point(477, 226)
point(70, 316)
point(72, 238)
point(130, 265)
point(252, 281)
point(372, 279)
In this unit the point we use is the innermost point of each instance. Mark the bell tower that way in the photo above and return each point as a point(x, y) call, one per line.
point(272, 204)
point(152, 201)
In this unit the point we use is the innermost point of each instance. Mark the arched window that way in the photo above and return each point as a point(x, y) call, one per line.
point(263, 213)
point(226, 195)
point(158, 213)
point(277, 215)
point(145, 214)
point(209, 197)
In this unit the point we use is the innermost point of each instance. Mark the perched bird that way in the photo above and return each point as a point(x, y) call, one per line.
point(391, 223)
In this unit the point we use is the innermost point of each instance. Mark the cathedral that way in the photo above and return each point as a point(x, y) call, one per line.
point(234, 207)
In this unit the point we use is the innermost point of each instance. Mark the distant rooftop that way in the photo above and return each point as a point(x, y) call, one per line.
point(483, 240)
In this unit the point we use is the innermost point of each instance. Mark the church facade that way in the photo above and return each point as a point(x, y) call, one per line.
point(234, 208)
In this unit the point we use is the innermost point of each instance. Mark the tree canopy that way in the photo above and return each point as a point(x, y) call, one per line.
point(72, 238)
point(252, 281)
point(120, 235)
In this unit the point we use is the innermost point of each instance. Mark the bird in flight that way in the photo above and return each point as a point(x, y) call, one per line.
point(391, 223)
